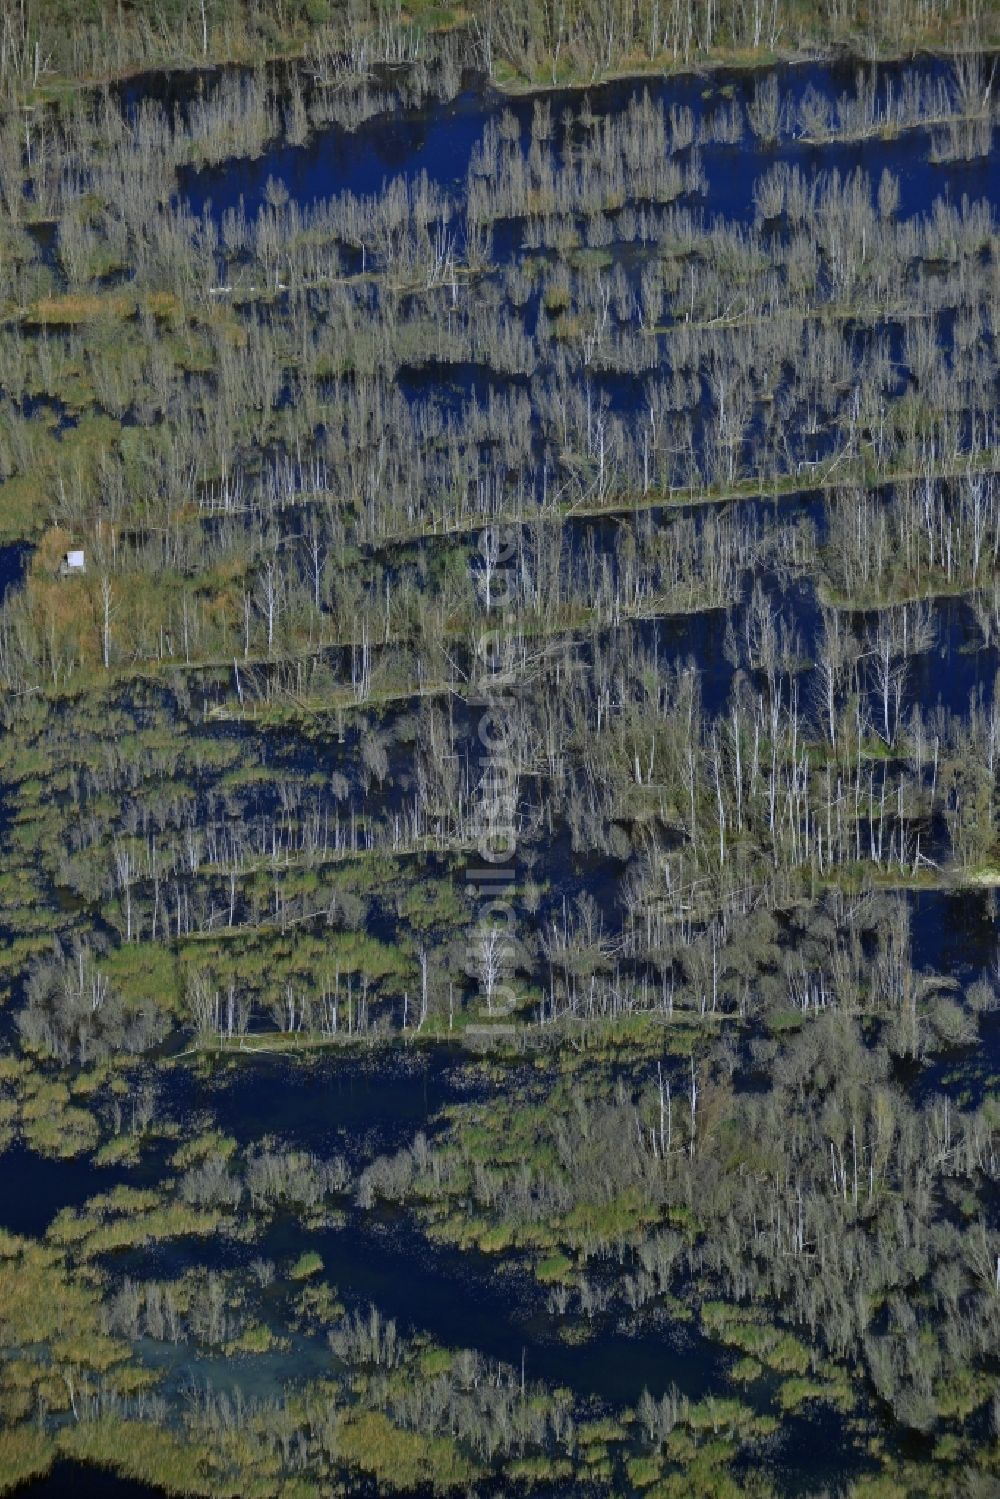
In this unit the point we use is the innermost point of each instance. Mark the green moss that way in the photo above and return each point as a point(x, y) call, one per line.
point(642, 1471)
point(555, 1267)
point(257, 1338)
point(539, 1470)
point(370, 1443)
point(745, 1371)
point(309, 1263)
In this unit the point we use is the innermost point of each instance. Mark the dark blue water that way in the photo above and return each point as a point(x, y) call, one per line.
point(13, 565)
point(959, 669)
point(460, 1298)
point(33, 1188)
point(354, 1105)
point(439, 141)
point(464, 1299)
point(954, 932)
point(76, 1481)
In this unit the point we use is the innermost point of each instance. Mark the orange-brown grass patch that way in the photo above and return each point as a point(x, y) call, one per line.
point(79, 307)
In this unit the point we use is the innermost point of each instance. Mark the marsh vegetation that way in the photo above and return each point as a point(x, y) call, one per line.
point(659, 419)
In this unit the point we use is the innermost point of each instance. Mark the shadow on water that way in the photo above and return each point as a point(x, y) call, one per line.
point(358, 1105)
point(954, 932)
point(812, 1453)
point(465, 1301)
point(959, 667)
point(76, 1481)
